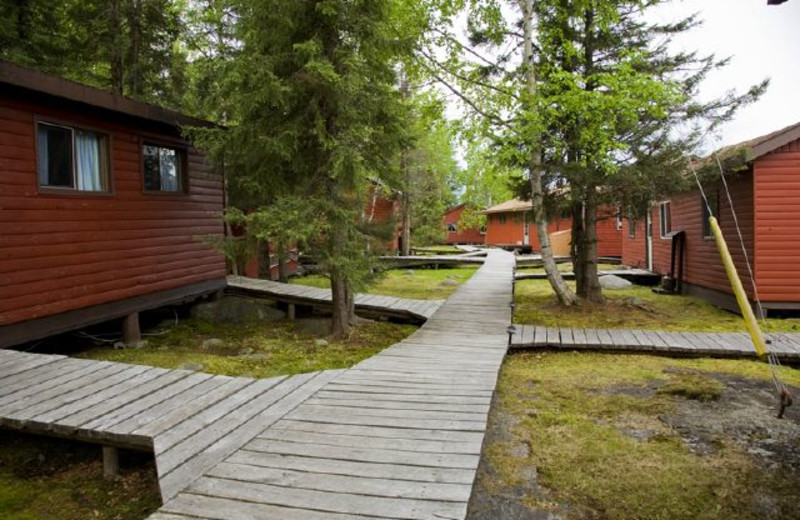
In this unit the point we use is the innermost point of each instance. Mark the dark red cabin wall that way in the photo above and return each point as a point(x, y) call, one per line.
point(380, 208)
point(511, 233)
point(777, 221)
point(609, 233)
point(461, 236)
point(702, 263)
point(66, 252)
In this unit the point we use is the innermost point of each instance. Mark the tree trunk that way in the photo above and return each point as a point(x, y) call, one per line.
point(340, 321)
point(563, 293)
point(406, 232)
point(115, 28)
point(280, 252)
point(134, 65)
point(589, 288)
point(576, 245)
point(264, 267)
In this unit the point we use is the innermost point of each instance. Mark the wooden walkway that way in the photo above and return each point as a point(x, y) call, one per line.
point(398, 436)
point(640, 276)
point(189, 420)
point(476, 258)
point(368, 305)
point(736, 345)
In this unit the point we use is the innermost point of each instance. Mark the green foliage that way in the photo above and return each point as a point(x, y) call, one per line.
point(127, 46)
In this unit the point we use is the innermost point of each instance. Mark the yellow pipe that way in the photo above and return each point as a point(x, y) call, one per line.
point(738, 290)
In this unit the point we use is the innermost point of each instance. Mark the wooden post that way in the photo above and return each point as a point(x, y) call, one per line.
point(217, 295)
point(291, 311)
point(110, 461)
point(131, 335)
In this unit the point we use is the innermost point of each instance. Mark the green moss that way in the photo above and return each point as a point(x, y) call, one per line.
point(635, 308)
point(693, 386)
point(573, 409)
point(422, 284)
point(50, 479)
point(256, 349)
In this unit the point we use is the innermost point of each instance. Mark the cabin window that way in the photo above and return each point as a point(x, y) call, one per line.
point(451, 227)
point(713, 202)
point(517, 218)
point(665, 218)
point(631, 227)
point(502, 218)
point(163, 169)
point(72, 159)
point(618, 224)
point(483, 230)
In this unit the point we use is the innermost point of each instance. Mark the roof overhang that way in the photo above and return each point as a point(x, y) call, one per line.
point(34, 81)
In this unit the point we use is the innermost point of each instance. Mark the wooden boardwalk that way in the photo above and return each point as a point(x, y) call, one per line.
point(640, 276)
point(736, 345)
point(369, 305)
point(476, 258)
point(189, 420)
point(398, 436)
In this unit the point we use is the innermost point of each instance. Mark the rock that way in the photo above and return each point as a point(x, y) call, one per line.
point(212, 343)
point(138, 344)
point(246, 351)
point(233, 309)
point(449, 283)
point(313, 326)
point(195, 367)
point(614, 282)
point(321, 342)
point(408, 272)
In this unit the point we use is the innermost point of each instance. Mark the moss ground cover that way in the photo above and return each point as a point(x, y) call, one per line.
point(635, 308)
point(422, 284)
point(255, 349)
point(638, 437)
point(52, 479)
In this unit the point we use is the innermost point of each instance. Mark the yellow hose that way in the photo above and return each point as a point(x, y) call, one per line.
point(741, 297)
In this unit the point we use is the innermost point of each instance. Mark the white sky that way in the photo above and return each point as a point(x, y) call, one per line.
point(763, 42)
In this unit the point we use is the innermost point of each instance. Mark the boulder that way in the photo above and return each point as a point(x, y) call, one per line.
point(408, 272)
point(313, 326)
point(321, 342)
point(449, 283)
point(232, 309)
point(614, 282)
point(212, 343)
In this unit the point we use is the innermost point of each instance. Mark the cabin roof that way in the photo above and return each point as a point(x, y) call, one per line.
point(757, 147)
point(34, 81)
point(509, 206)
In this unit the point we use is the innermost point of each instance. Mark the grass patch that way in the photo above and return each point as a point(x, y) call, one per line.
point(49, 479)
point(693, 386)
point(255, 349)
point(635, 308)
point(573, 410)
point(419, 284)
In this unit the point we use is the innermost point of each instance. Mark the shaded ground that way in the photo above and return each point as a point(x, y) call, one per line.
point(52, 479)
point(254, 347)
point(578, 435)
point(421, 284)
point(635, 308)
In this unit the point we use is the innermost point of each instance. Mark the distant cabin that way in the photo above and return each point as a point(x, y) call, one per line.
point(103, 206)
point(455, 234)
point(763, 176)
point(510, 225)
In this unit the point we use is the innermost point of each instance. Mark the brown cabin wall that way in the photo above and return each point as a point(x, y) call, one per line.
point(702, 263)
point(460, 236)
point(61, 252)
point(777, 195)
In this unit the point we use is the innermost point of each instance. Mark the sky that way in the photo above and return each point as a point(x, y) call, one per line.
point(763, 42)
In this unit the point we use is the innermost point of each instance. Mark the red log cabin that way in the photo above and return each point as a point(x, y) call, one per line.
point(457, 235)
point(510, 224)
point(763, 176)
point(103, 206)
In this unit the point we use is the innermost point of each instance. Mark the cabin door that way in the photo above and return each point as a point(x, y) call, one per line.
point(648, 227)
point(526, 229)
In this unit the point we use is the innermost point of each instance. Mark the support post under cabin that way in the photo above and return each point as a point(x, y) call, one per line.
point(291, 311)
point(131, 335)
point(110, 461)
